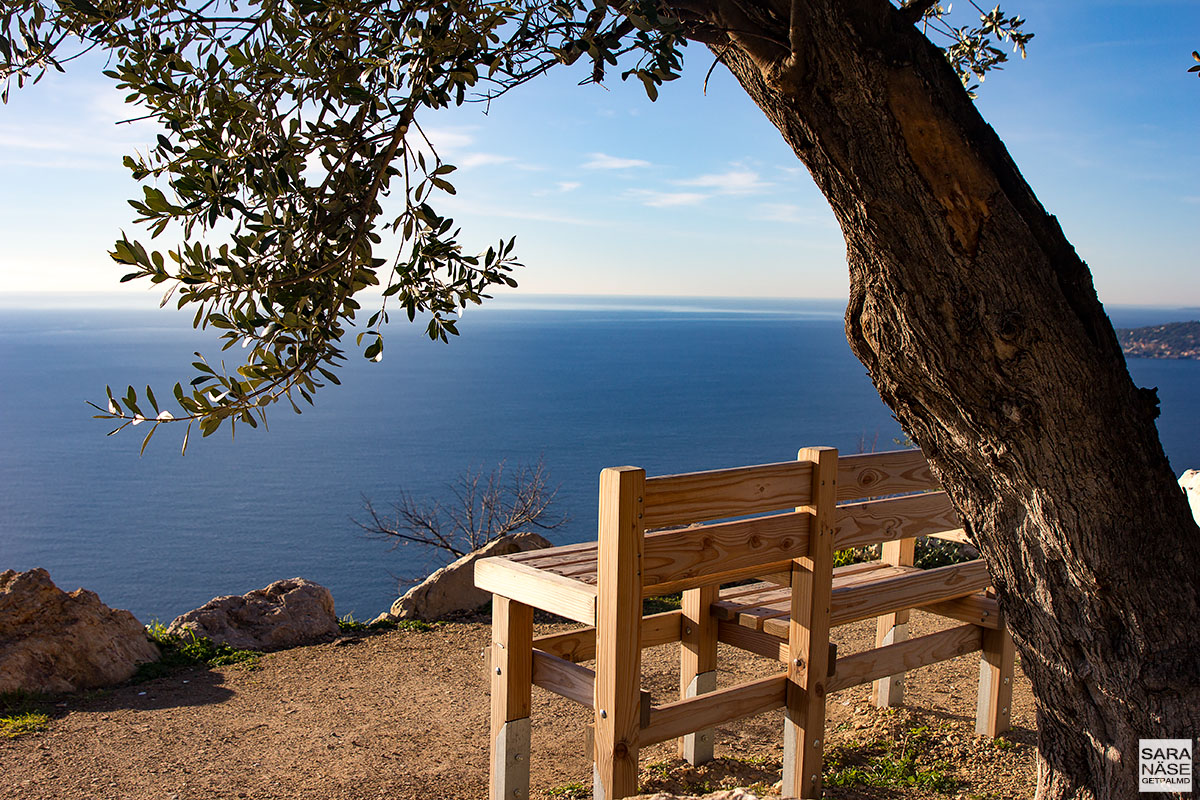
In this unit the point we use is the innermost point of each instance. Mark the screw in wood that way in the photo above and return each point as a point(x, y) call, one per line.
point(603, 714)
point(497, 670)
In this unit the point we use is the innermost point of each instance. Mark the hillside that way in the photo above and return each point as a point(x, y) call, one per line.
point(1173, 340)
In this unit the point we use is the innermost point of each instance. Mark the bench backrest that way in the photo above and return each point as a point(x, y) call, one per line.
point(732, 533)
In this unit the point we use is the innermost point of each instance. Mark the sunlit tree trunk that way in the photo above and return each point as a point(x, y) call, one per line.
point(981, 329)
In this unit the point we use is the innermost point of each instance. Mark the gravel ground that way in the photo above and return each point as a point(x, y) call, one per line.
point(404, 714)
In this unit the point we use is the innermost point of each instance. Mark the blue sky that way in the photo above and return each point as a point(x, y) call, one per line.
point(696, 194)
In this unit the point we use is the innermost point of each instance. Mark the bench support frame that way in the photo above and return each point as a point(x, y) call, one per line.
point(698, 560)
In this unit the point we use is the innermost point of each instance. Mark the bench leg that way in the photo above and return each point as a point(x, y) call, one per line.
point(698, 664)
point(511, 666)
point(893, 628)
point(993, 713)
point(808, 637)
point(618, 696)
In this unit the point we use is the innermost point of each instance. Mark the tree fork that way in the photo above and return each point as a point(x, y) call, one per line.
point(981, 329)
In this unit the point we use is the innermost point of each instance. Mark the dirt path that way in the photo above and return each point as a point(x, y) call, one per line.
point(404, 715)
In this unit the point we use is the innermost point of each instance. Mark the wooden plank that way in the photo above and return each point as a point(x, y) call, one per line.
point(957, 535)
point(721, 548)
point(698, 664)
point(904, 656)
point(875, 521)
point(755, 571)
point(903, 587)
point(917, 588)
point(580, 644)
point(768, 607)
point(702, 496)
point(978, 609)
point(892, 628)
point(808, 635)
point(763, 644)
point(564, 678)
point(673, 720)
point(563, 552)
point(512, 664)
point(618, 633)
point(537, 588)
point(880, 474)
point(993, 713)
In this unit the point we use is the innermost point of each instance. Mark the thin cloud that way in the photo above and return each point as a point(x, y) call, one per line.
point(605, 161)
point(568, 186)
point(668, 199)
point(732, 182)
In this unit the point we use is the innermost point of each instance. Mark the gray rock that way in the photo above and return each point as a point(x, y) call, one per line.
point(52, 641)
point(285, 614)
point(452, 588)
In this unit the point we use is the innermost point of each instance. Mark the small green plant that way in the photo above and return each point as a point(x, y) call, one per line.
point(888, 765)
point(1000, 743)
point(657, 605)
point(930, 553)
point(855, 555)
point(12, 726)
point(571, 791)
point(181, 651)
point(348, 624)
point(22, 713)
point(415, 625)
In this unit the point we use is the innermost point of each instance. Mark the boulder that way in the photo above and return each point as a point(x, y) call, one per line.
point(52, 641)
point(452, 588)
point(1190, 481)
point(285, 614)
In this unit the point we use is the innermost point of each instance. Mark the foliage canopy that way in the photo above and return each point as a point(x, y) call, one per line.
point(293, 171)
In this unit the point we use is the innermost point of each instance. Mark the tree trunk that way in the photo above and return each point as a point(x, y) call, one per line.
point(981, 329)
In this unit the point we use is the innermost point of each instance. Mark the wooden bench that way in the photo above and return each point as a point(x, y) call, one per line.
point(823, 504)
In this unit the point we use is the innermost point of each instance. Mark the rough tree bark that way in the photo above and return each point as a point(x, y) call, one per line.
point(981, 329)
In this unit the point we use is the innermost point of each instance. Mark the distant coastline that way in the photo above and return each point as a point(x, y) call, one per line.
point(1172, 340)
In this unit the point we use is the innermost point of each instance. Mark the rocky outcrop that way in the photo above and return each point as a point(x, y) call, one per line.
point(1190, 481)
point(285, 614)
point(52, 641)
point(452, 588)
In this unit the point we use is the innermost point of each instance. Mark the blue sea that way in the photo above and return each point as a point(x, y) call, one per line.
point(583, 383)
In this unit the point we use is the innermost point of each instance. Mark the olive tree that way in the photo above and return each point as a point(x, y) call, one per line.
point(287, 124)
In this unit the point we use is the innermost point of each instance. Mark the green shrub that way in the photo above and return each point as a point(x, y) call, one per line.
point(182, 651)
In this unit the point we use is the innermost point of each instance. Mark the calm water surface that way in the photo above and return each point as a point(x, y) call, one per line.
point(669, 385)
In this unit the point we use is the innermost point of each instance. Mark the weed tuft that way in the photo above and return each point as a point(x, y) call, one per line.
point(183, 651)
point(571, 791)
point(12, 726)
point(657, 605)
point(22, 713)
point(889, 765)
